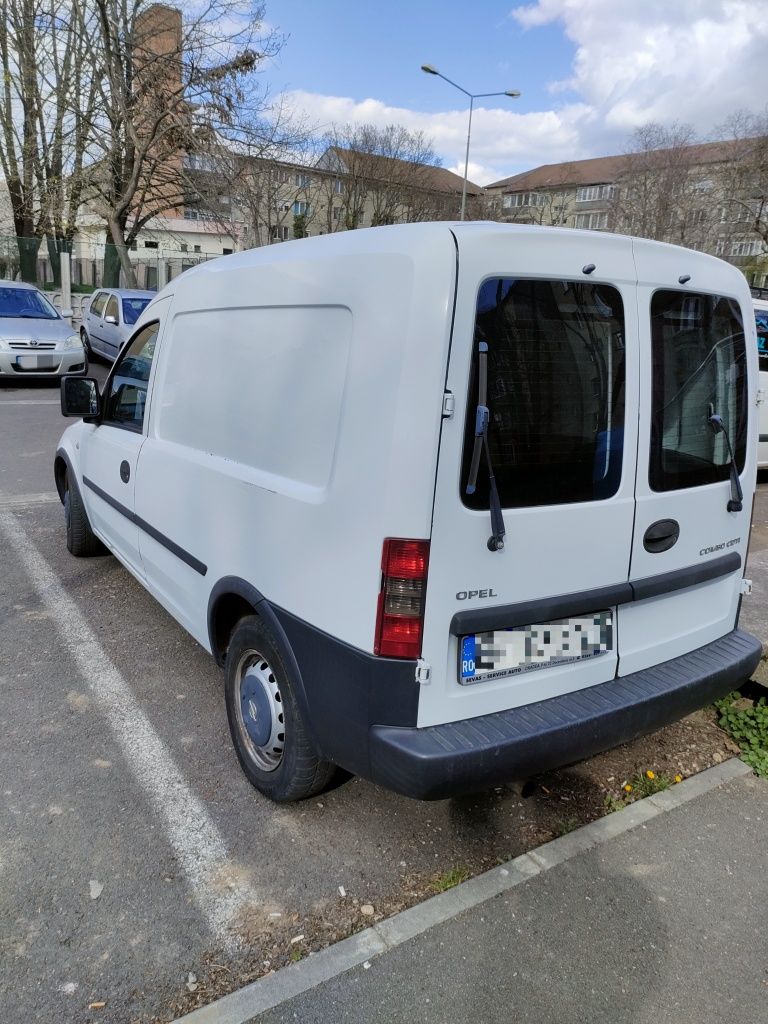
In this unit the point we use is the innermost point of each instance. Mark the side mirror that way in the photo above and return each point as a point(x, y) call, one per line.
point(80, 397)
point(110, 320)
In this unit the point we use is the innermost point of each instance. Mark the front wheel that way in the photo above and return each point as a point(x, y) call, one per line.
point(265, 720)
point(89, 354)
point(82, 542)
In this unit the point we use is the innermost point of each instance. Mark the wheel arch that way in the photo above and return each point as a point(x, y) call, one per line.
point(230, 600)
point(61, 466)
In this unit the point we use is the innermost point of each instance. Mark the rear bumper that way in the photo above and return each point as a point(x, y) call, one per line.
point(443, 760)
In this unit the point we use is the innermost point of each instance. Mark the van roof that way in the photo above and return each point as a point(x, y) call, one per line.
point(405, 237)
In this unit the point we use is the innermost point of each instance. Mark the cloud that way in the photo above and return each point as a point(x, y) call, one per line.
point(501, 138)
point(635, 61)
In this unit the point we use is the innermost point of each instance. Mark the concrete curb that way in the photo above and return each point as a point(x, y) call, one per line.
point(273, 989)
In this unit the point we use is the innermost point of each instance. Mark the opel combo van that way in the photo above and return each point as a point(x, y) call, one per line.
point(451, 505)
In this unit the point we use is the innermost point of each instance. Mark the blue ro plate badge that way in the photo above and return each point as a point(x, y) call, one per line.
point(506, 652)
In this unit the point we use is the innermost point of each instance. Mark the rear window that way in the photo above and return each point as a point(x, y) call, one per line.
point(699, 368)
point(555, 392)
point(761, 322)
point(133, 308)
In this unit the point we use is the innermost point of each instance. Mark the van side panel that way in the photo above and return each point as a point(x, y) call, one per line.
point(298, 409)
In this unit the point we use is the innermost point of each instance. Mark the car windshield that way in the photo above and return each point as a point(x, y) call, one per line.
point(25, 302)
point(133, 308)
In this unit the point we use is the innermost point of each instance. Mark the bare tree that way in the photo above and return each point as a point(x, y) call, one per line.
point(744, 177)
point(174, 81)
point(658, 193)
point(48, 97)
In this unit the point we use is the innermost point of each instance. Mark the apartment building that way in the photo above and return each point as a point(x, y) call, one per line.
point(710, 197)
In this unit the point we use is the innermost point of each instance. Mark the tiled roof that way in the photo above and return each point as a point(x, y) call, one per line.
point(602, 169)
point(429, 177)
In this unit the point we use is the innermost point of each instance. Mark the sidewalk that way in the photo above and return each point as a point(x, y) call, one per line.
point(657, 914)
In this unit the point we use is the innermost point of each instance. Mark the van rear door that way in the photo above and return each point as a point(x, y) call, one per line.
point(562, 397)
point(688, 549)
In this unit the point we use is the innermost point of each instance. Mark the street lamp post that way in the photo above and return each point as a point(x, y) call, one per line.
point(430, 69)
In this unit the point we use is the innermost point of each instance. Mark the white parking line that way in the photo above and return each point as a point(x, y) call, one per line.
point(197, 842)
point(20, 500)
point(29, 401)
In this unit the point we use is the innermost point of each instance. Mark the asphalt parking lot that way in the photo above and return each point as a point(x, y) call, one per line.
point(134, 857)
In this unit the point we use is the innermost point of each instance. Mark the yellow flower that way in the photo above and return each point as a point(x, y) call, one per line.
point(678, 778)
point(650, 774)
point(628, 788)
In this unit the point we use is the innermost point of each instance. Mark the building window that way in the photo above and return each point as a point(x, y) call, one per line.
point(592, 221)
point(195, 162)
point(719, 247)
point(697, 217)
point(280, 233)
point(184, 247)
point(703, 186)
point(151, 245)
point(589, 193)
point(337, 212)
point(301, 209)
point(197, 248)
point(134, 245)
point(524, 199)
point(746, 248)
point(338, 186)
point(303, 181)
point(191, 213)
point(226, 252)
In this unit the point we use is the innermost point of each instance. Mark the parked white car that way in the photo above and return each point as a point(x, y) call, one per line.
point(35, 340)
point(450, 504)
point(109, 319)
point(761, 324)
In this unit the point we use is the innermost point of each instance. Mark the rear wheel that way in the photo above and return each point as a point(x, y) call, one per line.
point(82, 542)
point(265, 720)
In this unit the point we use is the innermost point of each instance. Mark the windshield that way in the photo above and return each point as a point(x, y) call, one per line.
point(133, 308)
point(25, 302)
point(761, 322)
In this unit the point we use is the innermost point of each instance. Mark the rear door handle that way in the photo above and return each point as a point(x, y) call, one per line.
point(661, 535)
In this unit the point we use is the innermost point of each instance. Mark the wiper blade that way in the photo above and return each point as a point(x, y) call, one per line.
point(736, 502)
point(482, 419)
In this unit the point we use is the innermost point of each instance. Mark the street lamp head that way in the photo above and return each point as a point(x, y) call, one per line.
point(514, 93)
point(430, 69)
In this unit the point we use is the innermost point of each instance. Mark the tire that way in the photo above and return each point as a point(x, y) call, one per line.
point(89, 353)
point(82, 542)
point(265, 721)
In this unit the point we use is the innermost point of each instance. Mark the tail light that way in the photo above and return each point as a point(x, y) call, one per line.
point(400, 617)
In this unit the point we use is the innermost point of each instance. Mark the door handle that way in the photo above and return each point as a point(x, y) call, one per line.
point(661, 535)
point(125, 472)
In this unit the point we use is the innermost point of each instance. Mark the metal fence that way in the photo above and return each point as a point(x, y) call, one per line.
point(93, 264)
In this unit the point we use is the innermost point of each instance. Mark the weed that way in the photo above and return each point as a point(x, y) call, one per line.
point(746, 722)
point(296, 955)
point(641, 785)
point(449, 879)
point(613, 803)
point(566, 825)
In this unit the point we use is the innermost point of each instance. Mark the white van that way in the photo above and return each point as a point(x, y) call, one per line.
point(451, 504)
point(761, 322)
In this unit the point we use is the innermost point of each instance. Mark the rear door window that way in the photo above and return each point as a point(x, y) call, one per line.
point(699, 368)
point(556, 380)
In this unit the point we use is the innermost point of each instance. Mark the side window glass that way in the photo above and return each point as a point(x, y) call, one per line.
point(126, 399)
point(761, 322)
point(111, 309)
point(97, 304)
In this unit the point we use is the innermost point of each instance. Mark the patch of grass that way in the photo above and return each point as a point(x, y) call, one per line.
point(449, 879)
point(639, 786)
point(566, 825)
point(746, 722)
point(296, 955)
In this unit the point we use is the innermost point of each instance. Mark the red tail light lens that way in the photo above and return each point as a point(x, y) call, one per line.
point(400, 617)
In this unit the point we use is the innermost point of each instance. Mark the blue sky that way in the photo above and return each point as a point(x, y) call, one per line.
point(590, 71)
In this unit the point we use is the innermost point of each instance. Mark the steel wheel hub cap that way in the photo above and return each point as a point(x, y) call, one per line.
point(260, 712)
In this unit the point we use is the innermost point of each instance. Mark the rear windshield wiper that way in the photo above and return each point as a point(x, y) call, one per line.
point(737, 495)
point(482, 418)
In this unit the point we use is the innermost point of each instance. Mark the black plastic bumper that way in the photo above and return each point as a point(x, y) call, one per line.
point(443, 760)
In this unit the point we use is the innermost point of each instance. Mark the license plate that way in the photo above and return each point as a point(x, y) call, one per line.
point(506, 652)
point(28, 362)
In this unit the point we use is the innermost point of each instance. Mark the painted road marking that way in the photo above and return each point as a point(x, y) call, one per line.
point(196, 840)
point(20, 500)
point(30, 401)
